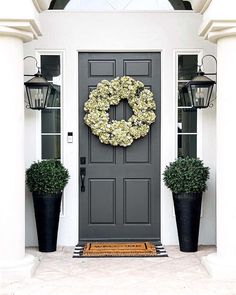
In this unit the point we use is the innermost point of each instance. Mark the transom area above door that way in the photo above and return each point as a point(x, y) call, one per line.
point(120, 5)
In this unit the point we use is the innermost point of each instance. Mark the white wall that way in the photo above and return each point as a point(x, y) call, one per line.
point(129, 31)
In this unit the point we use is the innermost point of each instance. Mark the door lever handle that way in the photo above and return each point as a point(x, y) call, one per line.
point(82, 177)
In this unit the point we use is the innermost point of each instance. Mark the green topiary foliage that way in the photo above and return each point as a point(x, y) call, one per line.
point(186, 175)
point(48, 176)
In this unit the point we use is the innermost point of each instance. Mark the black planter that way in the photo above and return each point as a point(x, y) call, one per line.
point(47, 211)
point(187, 212)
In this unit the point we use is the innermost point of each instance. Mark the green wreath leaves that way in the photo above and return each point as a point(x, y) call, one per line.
point(110, 93)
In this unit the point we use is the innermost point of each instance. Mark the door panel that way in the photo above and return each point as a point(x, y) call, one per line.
point(136, 191)
point(106, 190)
point(121, 200)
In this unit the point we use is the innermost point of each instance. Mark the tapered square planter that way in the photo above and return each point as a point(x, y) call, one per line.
point(187, 211)
point(47, 212)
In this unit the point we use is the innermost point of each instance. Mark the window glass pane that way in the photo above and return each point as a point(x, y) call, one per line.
point(187, 67)
point(183, 96)
point(51, 121)
point(37, 96)
point(50, 66)
point(55, 97)
point(51, 146)
point(187, 145)
point(187, 121)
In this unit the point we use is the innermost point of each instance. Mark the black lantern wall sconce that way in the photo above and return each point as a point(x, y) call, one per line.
point(200, 88)
point(38, 89)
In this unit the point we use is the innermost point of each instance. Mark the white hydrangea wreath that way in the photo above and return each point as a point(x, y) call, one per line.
point(108, 93)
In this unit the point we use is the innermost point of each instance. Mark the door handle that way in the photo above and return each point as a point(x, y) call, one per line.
point(82, 177)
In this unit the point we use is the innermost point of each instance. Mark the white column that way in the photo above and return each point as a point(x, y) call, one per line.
point(18, 23)
point(219, 26)
point(14, 264)
point(226, 147)
point(223, 263)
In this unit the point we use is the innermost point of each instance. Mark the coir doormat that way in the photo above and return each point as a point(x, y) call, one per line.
point(120, 249)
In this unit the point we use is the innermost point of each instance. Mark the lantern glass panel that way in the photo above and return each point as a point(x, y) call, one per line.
point(37, 96)
point(201, 95)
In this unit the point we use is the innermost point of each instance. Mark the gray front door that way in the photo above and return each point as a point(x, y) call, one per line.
point(121, 197)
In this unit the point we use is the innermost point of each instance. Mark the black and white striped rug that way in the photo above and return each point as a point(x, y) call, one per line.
point(160, 252)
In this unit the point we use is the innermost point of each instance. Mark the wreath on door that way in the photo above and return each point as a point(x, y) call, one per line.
point(110, 93)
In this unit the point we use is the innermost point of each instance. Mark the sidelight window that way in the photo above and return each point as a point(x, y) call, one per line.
point(186, 115)
point(51, 116)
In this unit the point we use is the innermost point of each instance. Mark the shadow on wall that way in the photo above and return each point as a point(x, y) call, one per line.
point(30, 227)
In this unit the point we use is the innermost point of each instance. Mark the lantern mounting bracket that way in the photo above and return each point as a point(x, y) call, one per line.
point(201, 65)
point(36, 63)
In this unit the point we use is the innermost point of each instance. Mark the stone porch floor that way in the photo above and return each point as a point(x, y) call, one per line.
point(179, 274)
